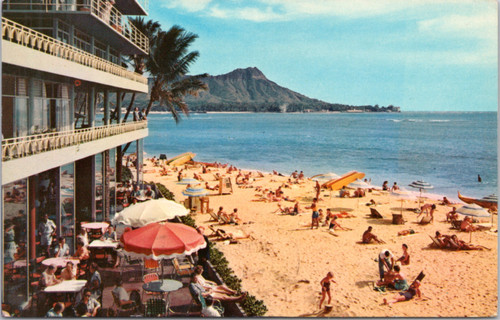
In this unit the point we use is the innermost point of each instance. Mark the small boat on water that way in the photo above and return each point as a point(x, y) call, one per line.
point(485, 202)
point(338, 183)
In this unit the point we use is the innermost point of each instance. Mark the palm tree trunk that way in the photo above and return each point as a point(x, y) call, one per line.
point(132, 100)
point(150, 104)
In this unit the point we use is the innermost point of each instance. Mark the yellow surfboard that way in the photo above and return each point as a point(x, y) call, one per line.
point(337, 184)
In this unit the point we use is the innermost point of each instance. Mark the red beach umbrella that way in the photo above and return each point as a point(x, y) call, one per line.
point(162, 240)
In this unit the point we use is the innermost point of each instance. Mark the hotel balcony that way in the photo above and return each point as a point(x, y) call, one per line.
point(25, 156)
point(95, 17)
point(133, 7)
point(25, 47)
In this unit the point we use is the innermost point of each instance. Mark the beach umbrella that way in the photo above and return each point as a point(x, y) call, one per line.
point(492, 198)
point(195, 192)
point(162, 240)
point(402, 195)
point(324, 177)
point(420, 185)
point(473, 210)
point(360, 184)
point(143, 213)
point(190, 181)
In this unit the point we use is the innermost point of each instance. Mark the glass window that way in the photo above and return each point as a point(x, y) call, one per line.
point(99, 188)
point(46, 211)
point(111, 173)
point(15, 270)
point(67, 183)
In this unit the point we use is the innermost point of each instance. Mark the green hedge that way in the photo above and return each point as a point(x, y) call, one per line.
point(252, 306)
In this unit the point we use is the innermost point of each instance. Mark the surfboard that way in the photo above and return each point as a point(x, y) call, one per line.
point(181, 159)
point(337, 184)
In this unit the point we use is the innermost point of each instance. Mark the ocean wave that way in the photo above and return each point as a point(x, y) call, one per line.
point(437, 120)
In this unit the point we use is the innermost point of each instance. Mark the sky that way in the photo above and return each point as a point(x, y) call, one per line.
point(420, 55)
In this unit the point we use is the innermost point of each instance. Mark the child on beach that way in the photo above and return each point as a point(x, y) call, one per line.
point(325, 288)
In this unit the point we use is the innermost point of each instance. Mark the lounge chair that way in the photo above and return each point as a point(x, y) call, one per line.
point(436, 243)
point(375, 214)
point(213, 215)
point(199, 301)
point(397, 218)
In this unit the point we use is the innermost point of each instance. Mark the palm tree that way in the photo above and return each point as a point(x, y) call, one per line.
point(168, 63)
point(150, 29)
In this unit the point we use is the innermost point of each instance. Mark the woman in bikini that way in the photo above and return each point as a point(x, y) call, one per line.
point(405, 258)
point(325, 288)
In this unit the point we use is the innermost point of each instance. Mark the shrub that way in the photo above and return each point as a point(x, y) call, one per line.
point(252, 306)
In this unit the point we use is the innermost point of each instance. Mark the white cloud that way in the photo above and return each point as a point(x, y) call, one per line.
point(188, 5)
point(245, 13)
point(482, 25)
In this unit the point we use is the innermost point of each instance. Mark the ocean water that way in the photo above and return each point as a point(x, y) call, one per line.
point(446, 149)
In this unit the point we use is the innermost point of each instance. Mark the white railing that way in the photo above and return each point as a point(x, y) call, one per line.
point(14, 32)
point(102, 9)
point(29, 145)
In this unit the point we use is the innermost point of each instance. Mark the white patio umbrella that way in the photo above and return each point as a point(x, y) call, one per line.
point(420, 185)
point(402, 195)
point(324, 177)
point(190, 181)
point(147, 212)
point(473, 210)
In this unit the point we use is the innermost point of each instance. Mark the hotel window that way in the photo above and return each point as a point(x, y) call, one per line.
point(40, 112)
point(99, 187)
point(67, 195)
point(113, 56)
point(15, 255)
point(46, 199)
point(100, 49)
point(82, 41)
point(63, 32)
point(60, 117)
point(14, 106)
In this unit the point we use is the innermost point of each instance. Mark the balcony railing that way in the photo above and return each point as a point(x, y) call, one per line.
point(102, 9)
point(26, 146)
point(14, 32)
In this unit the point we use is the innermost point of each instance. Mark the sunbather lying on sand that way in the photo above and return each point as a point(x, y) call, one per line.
point(467, 225)
point(413, 291)
point(462, 245)
point(221, 234)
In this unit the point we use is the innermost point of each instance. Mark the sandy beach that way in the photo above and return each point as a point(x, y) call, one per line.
point(284, 262)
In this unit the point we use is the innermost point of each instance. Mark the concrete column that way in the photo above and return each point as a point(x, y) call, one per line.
point(106, 107)
point(31, 104)
point(90, 106)
point(118, 106)
point(139, 161)
point(32, 183)
point(72, 105)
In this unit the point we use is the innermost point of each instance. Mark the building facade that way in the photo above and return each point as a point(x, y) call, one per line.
point(63, 82)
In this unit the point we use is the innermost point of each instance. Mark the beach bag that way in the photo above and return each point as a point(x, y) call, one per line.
point(401, 285)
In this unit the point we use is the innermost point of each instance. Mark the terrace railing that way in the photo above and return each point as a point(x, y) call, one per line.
point(16, 33)
point(16, 148)
point(102, 9)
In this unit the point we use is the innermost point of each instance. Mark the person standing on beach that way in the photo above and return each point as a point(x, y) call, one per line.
point(325, 288)
point(315, 213)
point(385, 261)
point(318, 189)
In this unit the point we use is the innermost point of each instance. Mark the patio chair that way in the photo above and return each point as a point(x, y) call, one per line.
point(185, 269)
point(213, 216)
point(425, 220)
point(155, 308)
point(120, 308)
point(147, 279)
point(150, 265)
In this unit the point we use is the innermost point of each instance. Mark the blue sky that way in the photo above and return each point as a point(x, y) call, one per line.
point(429, 55)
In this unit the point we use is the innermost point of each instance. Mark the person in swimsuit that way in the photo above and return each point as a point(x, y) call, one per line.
point(335, 225)
point(413, 291)
point(325, 288)
point(315, 213)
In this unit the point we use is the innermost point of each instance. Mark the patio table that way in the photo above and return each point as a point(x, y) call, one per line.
point(163, 286)
point(59, 262)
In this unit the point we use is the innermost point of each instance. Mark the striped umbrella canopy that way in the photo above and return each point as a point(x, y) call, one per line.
point(324, 177)
point(195, 192)
point(473, 210)
point(420, 185)
point(491, 198)
point(190, 181)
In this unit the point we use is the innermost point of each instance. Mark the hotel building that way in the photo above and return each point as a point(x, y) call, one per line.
point(62, 61)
